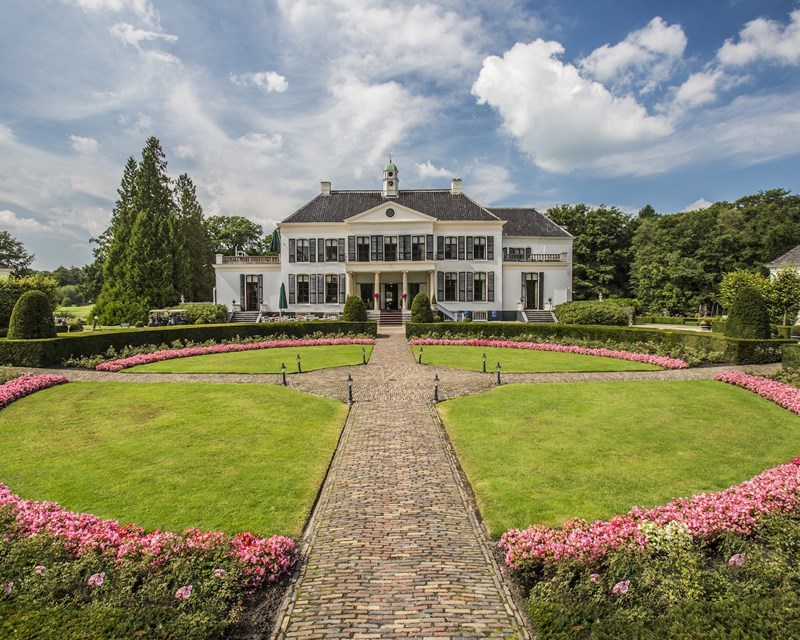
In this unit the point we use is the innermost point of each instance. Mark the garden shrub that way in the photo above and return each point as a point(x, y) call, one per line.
point(749, 316)
point(32, 318)
point(437, 318)
point(203, 313)
point(791, 357)
point(421, 308)
point(354, 310)
point(12, 288)
point(603, 313)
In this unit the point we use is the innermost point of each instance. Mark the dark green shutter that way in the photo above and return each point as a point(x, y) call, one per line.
point(291, 288)
point(460, 247)
point(490, 286)
point(490, 247)
point(540, 285)
point(470, 247)
point(351, 248)
point(291, 250)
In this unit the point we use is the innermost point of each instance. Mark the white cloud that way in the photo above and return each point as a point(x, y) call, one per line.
point(10, 220)
point(84, 145)
point(559, 118)
point(428, 170)
point(645, 57)
point(699, 89)
point(264, 80)
point(488, 183)
point(142, 8)
point(697, 205)
point(134, 36)
point(766, 40)
point(262, 142)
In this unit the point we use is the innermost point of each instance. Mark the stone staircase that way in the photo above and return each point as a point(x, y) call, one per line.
point(538, 316)
point(245, 316)
point(391, 318)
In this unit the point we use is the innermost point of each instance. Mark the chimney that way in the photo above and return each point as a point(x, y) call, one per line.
point(325, 188)
point(455, 187)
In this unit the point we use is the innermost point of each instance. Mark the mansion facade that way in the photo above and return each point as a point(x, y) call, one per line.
point(387, 245)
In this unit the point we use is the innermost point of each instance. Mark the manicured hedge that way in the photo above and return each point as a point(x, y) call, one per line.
point(791, 356)
point(735, 351)
point(591, 312)
point(53, 351)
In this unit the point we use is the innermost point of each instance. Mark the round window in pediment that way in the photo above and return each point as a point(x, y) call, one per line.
point(390, 213)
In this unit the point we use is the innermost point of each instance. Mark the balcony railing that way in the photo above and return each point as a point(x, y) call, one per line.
point(251, 259)
point(534, 257)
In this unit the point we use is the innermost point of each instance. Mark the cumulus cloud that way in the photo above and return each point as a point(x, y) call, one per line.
point(764, 40)
point(697, 205)
point(428, 170)
point(264, 80)
point(488, 183)
point(699, 89)
point(10, 220)
point(560, 118)
point(84, 145)
point(645, 57)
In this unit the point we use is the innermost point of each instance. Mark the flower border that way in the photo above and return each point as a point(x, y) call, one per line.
point(780, 393)
point(661, 361)
point(170, 354)
point(26, 384)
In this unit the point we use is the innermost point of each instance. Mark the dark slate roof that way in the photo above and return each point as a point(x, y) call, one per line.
point(789, 258)
point(528, 222)
point(437, 203)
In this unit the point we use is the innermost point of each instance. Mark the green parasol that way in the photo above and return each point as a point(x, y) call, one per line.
point(282, 299)
point(274, 242)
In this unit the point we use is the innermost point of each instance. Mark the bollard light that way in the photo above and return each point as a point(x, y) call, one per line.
point(349, 389)
point(283, 372)
point(484, 363)
point(436, 388)
point(363, 355)
point(498, 373)
point(299, 370)
point(420, 356)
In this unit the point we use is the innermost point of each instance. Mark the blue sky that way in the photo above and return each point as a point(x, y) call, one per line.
point(677, 104)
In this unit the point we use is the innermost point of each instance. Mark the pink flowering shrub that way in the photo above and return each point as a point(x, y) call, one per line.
point(661, 361)
point(736, 510)
point(780, 393)
point(259, 560)
point(25, 385)
point(169, 354)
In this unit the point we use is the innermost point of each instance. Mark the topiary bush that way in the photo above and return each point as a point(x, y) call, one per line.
point(354, 310)
point(605, 313)
point(749, 316)
point(12, 288)
point(204, 313)
point(421, 308)
point(32, 318)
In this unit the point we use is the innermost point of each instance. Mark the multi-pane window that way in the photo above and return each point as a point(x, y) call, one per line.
point(332, 289)
point(303, 295)
point(451, 248)
point(390, 248)
point(362, 249)
point(418, 247)
point(301, 250)
point(332, 250)
point(451, 287)
point(479, 288)
point(479, 248)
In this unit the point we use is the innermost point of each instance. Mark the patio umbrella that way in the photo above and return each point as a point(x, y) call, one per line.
point(274, 242)
point(282, 300)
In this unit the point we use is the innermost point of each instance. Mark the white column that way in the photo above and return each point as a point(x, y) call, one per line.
point(377, 287)
point(404, 292)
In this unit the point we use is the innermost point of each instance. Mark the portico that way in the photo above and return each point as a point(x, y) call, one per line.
point(390, 282)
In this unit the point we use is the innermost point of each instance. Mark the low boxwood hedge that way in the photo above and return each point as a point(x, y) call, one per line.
point(791, 357)
point(53, 351)
point(735, 351)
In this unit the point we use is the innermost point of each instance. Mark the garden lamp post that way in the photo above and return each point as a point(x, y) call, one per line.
point(299, 370)
point(420, 356)
point(436, 388)
point(484, 363)
point(283, 372)
point(498, 373)
point(349, 389)
point(363, 355)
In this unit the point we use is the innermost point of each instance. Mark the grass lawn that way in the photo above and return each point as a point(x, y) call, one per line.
point(169, 456)
point(74, 312)
point(521, 360)
point(261, 360)
point(545, 453)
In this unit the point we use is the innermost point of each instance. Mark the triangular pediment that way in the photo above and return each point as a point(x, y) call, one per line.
point(389, 212)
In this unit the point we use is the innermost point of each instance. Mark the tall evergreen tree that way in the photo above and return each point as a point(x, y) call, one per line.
point(194, 273)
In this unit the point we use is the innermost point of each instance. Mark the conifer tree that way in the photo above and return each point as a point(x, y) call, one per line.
point(194, 277)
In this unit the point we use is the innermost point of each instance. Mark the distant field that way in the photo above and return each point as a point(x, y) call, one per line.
point(74, 312)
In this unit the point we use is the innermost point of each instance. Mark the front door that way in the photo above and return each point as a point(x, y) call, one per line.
point(365, 291)
point(531, 290)
point(252, 293)
point(392, 296)
point(413, 290)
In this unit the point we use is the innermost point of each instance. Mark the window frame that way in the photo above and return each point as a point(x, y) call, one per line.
point(331, 244)
point(362, 246)
point(420, 245)
point(482, 278)
point(476, 245)
point(332, 279)
point(302, 250)
point(386, 244)
point(303, 279)
point(451, 242)
point(451, 280)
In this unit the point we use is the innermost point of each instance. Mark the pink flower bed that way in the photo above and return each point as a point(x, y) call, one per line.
point(661, 361)
point(785, 395)
point(169, 354)
point(262, 559)
point(737, 510)
point(26, 385)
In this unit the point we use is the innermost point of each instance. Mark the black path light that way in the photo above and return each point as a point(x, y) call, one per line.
point(363, 355)
point(299, 370)
point(436, 388)
point(484, 363)
point(283, 372)
point(420, 356)
point(349, 389)
point(498, 373)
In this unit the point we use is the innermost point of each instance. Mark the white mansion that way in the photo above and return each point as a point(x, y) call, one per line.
point(388, 245)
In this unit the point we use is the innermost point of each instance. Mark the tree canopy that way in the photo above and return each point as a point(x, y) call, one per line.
point(228, 234)
point(14, 255)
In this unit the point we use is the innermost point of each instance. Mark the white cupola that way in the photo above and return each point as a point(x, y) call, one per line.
point(391, 182)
